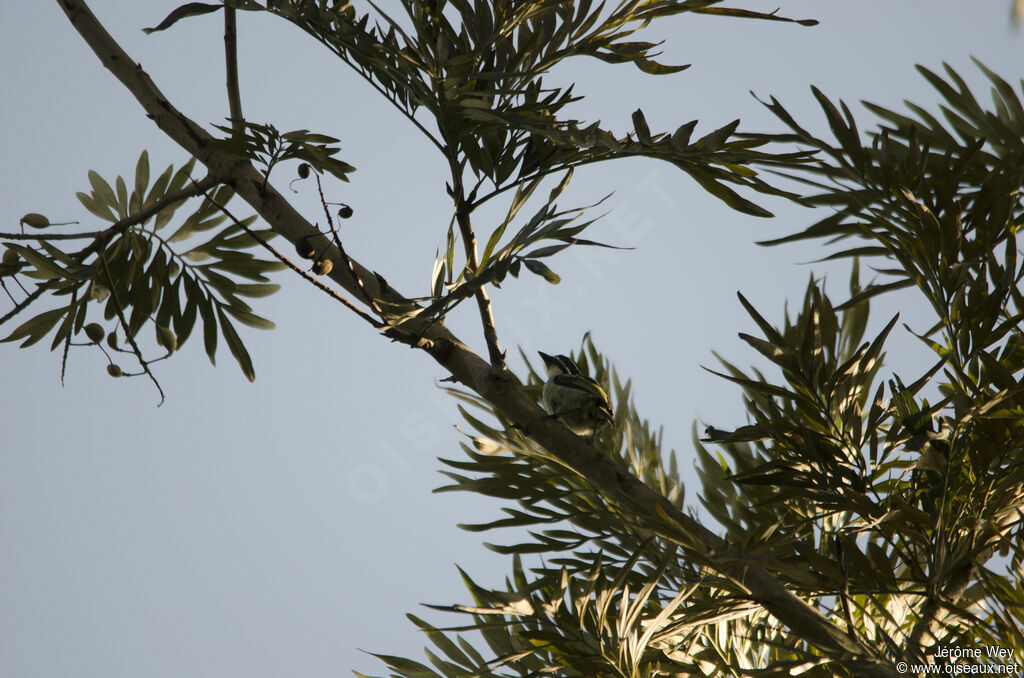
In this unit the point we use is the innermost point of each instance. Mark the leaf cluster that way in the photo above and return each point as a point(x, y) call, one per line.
point(498, 261)
point(903, 493)
point(893, 504)
point(608, 597)
point(264, 145)
point(472, 77)
point(145, 268)
point(477, 69)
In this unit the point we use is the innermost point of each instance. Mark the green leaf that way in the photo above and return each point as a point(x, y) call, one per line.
point(186, 10)
point(101, 190)
point(245, 240)
point(184, 174)
point(726, 194)
point(560, 188)
point(408, 667)
point(437, 277)
point(159, 186)
point(643, 132)
point(62, 257)
point(122, 197)
point(45, 268)
point(256, 290)
point(142, 176)
point(714, 141)
point(97, 207)
point(750, 14)
point(441, 641)
point(680, 140)
point(63, 332)
point(249, 318)
point(208, 314)
point(522, 195)
point(36, 328)
point(654, 68)
point(546, 251)
point(236, 346)
point(542, 270)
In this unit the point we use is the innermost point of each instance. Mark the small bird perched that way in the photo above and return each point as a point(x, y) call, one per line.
point(575, 399)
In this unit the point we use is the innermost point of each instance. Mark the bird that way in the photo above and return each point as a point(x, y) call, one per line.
point(573, 398)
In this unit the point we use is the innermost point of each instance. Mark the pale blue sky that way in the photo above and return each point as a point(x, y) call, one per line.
point(274, 528)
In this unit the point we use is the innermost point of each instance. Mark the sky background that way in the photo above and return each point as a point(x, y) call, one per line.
point(278, 528)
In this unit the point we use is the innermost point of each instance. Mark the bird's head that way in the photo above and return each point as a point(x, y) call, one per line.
point(559, 364)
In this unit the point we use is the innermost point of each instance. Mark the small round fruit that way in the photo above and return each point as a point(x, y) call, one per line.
point(323, 266)
point(114, 370)
point(345, 212)
point(165, 337)
point(304, 170)
point(305, 249)
point(98, 292)
point(95, 332)
point(112, 340)
point(35, 220)
point(10, 257)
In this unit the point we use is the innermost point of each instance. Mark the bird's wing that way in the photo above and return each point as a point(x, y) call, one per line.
point(584, 384)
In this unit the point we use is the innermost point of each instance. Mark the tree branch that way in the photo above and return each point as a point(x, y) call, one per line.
point(367, 297)
point(463, 207)
point(18, 308)
point(483, 301)
point(231, 68)
point(497, 386)
point(290, 264)
point(941, 596)
point(224, 166)
point(50, 236)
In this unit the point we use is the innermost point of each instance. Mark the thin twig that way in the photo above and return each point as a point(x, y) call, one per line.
point(287, 262)
point(50, 236)
point(127, 332)
point(463, 207)
point(483, 302)
point(23, 305)
point(367, 297)
point(9, 295)
point(20, 285)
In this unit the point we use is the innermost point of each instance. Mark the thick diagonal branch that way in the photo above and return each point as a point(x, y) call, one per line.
point(223, 166)
point(497, 386)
